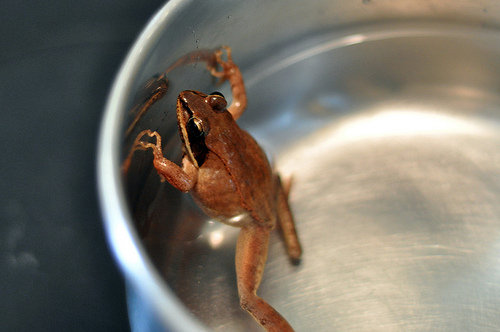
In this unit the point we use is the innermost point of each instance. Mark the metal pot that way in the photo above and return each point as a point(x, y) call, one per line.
point(385, 112)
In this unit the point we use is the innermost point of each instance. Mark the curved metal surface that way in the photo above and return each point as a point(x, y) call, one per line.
point(391, 132)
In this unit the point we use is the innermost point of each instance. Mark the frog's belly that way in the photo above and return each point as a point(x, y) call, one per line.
point(217, 195)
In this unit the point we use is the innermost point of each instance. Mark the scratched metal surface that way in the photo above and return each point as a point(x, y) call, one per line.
point(391, 132)
point(396, 184)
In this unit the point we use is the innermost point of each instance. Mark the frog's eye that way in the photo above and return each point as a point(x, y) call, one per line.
point(217, 101)
point(217, 93)
point(196, 128)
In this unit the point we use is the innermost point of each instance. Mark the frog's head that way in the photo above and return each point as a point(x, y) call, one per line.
point(196, 114)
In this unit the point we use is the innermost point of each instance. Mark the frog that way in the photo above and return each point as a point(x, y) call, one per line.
point(231, 179)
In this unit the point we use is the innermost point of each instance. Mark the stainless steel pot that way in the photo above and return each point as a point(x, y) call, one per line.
point(385, 112)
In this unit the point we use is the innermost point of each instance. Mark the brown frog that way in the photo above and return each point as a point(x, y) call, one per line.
point(230, 178)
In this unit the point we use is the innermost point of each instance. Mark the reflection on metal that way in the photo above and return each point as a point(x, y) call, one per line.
point(215, 239)
point(406, 122)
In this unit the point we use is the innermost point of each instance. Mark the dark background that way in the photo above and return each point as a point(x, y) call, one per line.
point(57, 63)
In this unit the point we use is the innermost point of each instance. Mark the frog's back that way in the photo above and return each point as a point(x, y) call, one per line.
point(245, 178)
point(256, 184)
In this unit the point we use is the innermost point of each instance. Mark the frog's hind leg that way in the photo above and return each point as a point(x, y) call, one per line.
point(251, 255)
point(286, 222)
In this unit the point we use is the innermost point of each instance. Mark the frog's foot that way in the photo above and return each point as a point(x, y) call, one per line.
point(232, 73)
point(226, 66)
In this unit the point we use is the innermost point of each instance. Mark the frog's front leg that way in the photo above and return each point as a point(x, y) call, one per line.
point(181, 178)
point(232, 73)
point(251, 255)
